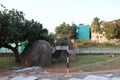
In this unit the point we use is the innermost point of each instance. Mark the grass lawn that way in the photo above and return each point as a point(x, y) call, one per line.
point(84, 62)
point(85, 59)
point(7, 63)
point(93, 63)
point(97, 62)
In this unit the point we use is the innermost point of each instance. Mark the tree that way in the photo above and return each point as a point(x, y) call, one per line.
point(66, 29)
point(60, 30)
point(72, 31)
point(118, 28)
point(96, 26)
point(14, 28)
point(112, 29)
point(51, 38)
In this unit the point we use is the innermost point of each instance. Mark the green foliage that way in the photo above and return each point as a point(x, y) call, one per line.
point(14, 28)
point(89, 43)
point(33, 30)
point(51, 38)
point(7, 63)
point(95, 26)
point(109, 44)
point(61, 41)
point(83, 43)
point(10, 25)
point(83, 62)
point(66, 29)
point(112, 29)
point(85, 59)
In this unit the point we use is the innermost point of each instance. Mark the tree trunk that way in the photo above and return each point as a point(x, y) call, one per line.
point(15, 51)
point(97, 37)
point(17, 58)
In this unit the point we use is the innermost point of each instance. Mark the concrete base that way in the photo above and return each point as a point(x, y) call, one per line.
point(68, 76)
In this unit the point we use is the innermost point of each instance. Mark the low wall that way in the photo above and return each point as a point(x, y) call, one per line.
point(95, 51)
point(6, 54)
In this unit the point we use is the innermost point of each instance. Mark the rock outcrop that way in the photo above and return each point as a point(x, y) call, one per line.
point(38, 54)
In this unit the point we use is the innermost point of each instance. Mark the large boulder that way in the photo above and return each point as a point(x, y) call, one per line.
point(38, 54)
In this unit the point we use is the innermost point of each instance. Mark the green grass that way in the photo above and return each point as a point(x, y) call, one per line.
point(98, 62)
point(85, 59)
point(83, 62)
point(7, 63)
point(93, 63)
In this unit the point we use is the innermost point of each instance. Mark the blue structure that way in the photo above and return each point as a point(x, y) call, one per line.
point(83, 31)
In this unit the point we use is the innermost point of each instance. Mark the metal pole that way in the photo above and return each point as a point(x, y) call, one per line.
point(67, 55)
point(67, 63)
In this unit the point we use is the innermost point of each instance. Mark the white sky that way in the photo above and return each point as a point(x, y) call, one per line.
point(52, 13)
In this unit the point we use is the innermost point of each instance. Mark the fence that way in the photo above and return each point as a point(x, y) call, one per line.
point(6, 54)
point(95, 50)
point(84, 51)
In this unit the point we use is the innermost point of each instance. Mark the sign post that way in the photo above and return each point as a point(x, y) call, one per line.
point(61, 48)
point(65, 48)
point(68, 71)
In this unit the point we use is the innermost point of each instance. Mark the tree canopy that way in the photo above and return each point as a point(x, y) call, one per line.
point(66, 29)
point(14, 28)
point(112, 29)
point(96, 25)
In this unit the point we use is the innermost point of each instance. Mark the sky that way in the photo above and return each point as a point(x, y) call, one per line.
point(52, 13)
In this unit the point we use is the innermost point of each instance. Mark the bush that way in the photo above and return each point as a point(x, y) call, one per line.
point(89, 43)
point(84, 43)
